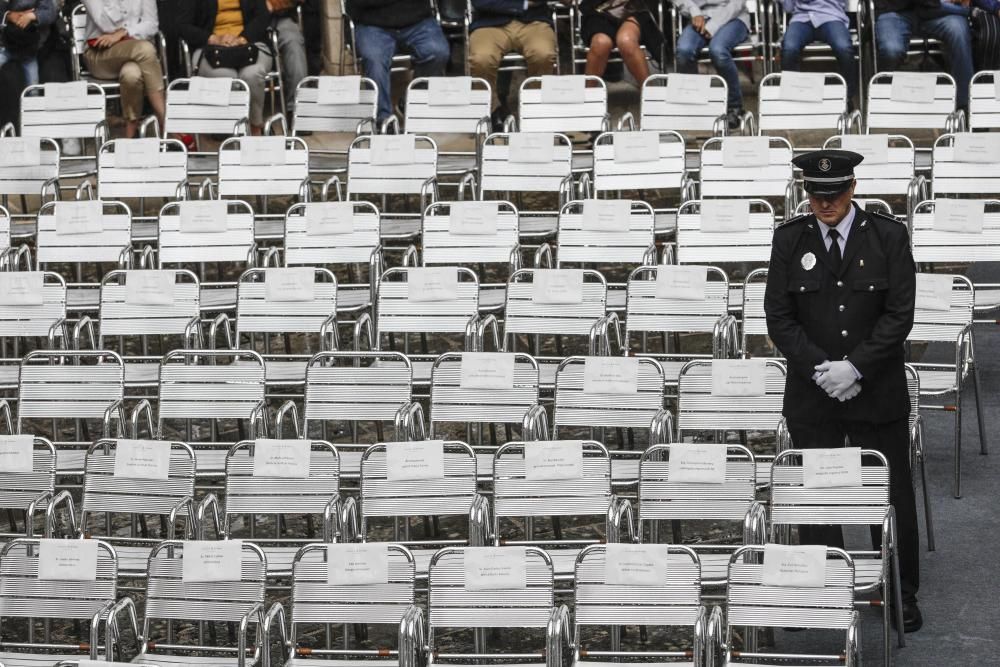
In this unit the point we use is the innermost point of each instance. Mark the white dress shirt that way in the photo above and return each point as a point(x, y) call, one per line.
point(843, 228)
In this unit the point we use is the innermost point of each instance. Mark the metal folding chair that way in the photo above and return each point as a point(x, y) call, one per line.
point(778, 112)
point(40, 326)
point(772, 180)
point(71, 117)
point(34, 177)
point(958, 174)
point(30, 492)
point(984, 107)
point(538, 112)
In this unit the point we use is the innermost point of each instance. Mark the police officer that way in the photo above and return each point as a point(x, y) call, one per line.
point(839, 303)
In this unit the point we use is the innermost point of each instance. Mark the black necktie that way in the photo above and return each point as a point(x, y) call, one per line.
point(835, 254)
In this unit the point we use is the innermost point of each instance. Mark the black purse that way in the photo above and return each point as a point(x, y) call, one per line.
point(619, 10)
point(230, 57)
point(21, 42)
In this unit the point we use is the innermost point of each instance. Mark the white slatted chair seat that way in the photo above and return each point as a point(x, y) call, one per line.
point(32, 489)
point(316, 112)
point(192, 112)
point(771, 180)
point(399, 312)
point(245, 170)
point(80, 116)
point(785, 111)
point(955, 176)
point(542, 110)
point(984, 104)
point(462, 109)
point(894, 178)
point(932, 113)
point(631, 244)
point(660, 111)
point(165, 178)
point(28, 176)
point(44, 320)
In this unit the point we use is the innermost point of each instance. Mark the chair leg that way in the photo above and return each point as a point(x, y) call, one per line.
point(897, 595)
point(928, 519)
point(979, 409)
point(958, 445)
point(886, 647)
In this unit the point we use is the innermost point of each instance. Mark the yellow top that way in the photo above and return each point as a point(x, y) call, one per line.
point(229, 20)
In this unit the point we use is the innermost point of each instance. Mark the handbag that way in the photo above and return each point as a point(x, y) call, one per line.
point(230, 57)
point(619, 10)
point(22, 42)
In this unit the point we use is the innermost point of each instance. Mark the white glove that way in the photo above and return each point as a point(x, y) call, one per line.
point(849, 393)
point(836, 377)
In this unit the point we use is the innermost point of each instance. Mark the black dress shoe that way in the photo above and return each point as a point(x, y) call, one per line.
point(498, 117)
point(913, 620)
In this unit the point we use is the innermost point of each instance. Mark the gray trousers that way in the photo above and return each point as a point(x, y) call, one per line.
point(292, 48)
point(254, 75)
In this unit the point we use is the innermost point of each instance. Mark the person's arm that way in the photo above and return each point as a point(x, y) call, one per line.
point(893, 326)
point(97, 16)
point(188, 27)
point(788, 6)
point(782, 316)
point(689, 8)
point(989, 6)
point(256, 21)
point(723, 14)
point(503, 7)
point(145, 23)
point(46, 12)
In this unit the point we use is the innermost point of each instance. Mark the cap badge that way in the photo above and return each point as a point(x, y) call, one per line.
point(808, 261)
point(824, 164)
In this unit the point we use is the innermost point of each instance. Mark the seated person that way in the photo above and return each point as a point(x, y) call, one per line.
point(626, 24)
point(721, 25)
point(898, 20)
point(500, 27)
point(291, 45)
point(384, 27)
point(827, 22)
point(985, 18)
point(25, 22)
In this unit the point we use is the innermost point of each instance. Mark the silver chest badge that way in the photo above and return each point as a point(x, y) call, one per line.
point(808, 261)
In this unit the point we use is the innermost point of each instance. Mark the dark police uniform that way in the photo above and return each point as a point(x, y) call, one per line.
point(863, 313)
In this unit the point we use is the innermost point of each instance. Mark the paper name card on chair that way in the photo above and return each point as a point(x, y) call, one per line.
point(142, 459)
point(635, 564)
point(487, 370)
point(636, 146)
point(137, 153)
point(473, 218)
point(746, 151)
point(79, 217)
point(530, 147)
point(725, 215)
point(873, 147)
point(611, 375)
point(17, 453)
point(68, 95)
point(801, 86)
point(794, 566)
point(21, 288)
point(419, 459)
point(290, 284)
point(833, 467)
point(738, 377)
point(913, 87)
point(150, 287)
point(449, 91)
point(557, 286)
point(553, 459)
point(328, 218)
point(688, 88)
point(606, 215)
point(207, 216)
point(357, 564)
point(208, 560)
point(261, 151)
point(281, 458)
point(67, 560)
point(697, 463)
point(20, 152)
point(959, 215)
point(933, 291)
point(338, 89)
point(685, 283)
point(980, 147)
point(564, 89)
point(495, 568)
point(209, 90)
point(389, 149)
point(432, 284)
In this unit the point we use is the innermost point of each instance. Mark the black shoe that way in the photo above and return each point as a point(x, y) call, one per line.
point(498, 116)
point(913, 620)
point(733, 117)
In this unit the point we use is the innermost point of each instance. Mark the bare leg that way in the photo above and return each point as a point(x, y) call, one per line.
point(597, 56)
point(629, 45)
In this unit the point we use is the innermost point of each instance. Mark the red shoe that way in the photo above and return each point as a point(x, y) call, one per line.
point(187, 140)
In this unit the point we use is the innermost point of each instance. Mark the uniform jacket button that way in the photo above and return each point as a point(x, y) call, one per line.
point(802, 288)
point(843, 333)
point(871, 288)
point(840, 283)
point(841, 308)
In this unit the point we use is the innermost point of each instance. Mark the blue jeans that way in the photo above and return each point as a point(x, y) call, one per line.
point(800, 34)
point(720, 49)
point(30, 66)
point(892, 36)
point(376, 46)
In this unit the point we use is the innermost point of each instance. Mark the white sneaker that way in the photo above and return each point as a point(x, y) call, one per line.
point(71, 147)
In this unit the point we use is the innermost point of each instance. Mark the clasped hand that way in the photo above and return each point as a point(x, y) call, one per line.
point(838, 379)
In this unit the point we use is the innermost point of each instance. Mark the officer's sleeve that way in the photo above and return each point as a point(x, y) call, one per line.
point(782, 316)
point(893, 326)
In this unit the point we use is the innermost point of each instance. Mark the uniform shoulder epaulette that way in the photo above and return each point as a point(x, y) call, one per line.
point(878, 215)
point(791, 221)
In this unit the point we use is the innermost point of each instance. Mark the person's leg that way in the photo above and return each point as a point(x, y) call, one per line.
point(892, 39)
point(720, 48)
point(629, 43)
point(256, 78)
point(429, 46)
point(292, 45)
point(955, 35)
point(798, 35)
point(598, 54)
point(689, 43)
point(30, 67)
point(487, 47)
point(819, 434)
point(4, 56)
point(838, 36)
point(375, 47)
point(145, 56)
point(135, 64)
point(537, 43)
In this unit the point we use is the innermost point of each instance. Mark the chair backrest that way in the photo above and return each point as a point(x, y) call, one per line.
point(596, 231)
point(704, 237)
point(426, 300)
point(62, 110)
point(64, 385)
point(402, 164)
point(141, 168)
point(802, 101)
point(578, 404)
point(883, 172)
point(931, 320)
point(966, 164)
point(687, 105)
point(526, 162)
point(319, 234)
point(618, 165)
point(457, 395)
point(33, 303)
point(984, 103)
point(754, 317)
point(84, 231)
point(936, 239)
point(330, 104)
point(29, 165)
point(203, 105)
point(523, 314)
point(299, 299)
point(566, 103)
point(698, 409)
point(475, 235)
point(250, 166)
point(28, 473)
point(146, 308)
point(5, 261)
point(750, 167)
point(356, 386)
point(910, 100)
point(448, 105)
point(206, 231)
point(649, 310)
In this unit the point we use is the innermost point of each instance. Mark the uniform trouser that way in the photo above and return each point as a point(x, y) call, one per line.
point(135, 64)
point(536, 41)
point(892, 439)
